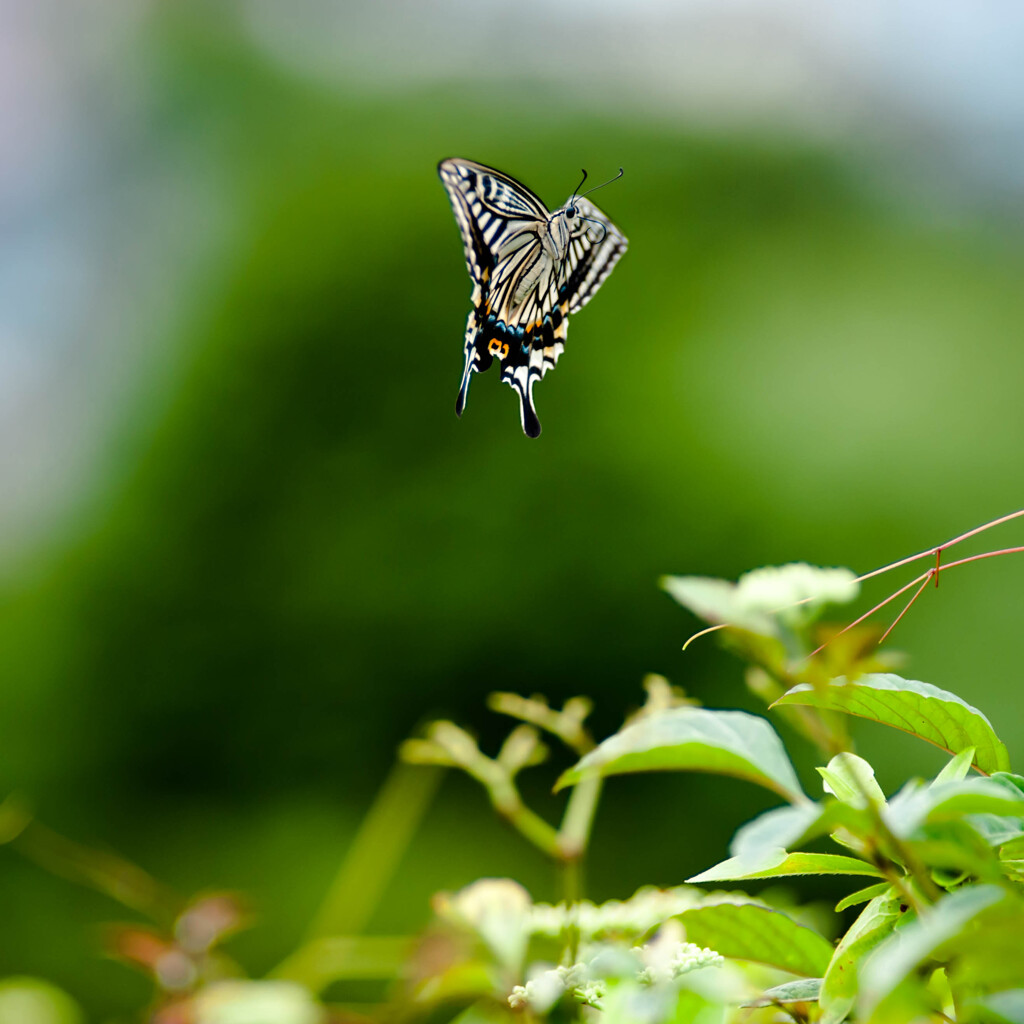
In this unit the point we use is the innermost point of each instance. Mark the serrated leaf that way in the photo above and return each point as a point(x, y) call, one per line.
point(923, 710)
point(896, 958)
point(694, 739)
point(862, 896)
point(803, 990)
point(749, 930)
point(839, 985)
point(735, 868)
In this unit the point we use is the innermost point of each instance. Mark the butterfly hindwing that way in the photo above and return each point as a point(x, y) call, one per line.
point(588, 262)
point(530, 269)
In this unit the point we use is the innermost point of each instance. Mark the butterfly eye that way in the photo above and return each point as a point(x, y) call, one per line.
point(571, 212)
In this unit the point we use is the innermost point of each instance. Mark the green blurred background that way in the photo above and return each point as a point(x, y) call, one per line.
point(245, 545)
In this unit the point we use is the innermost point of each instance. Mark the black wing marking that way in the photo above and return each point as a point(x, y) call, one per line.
point(525, 356)
point(522, 294)
point(591, 256)
point(487, 204)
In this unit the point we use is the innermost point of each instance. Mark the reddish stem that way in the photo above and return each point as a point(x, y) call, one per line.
point(923, 579)
point(917, 594)
point(867, 615)
point(941, 547)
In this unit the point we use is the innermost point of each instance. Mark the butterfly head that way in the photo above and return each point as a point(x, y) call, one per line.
point(575, 212)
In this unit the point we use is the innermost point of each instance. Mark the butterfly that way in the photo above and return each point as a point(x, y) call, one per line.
point(530, 268)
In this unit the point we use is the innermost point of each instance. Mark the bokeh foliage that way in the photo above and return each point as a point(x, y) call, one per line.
point(293, 552)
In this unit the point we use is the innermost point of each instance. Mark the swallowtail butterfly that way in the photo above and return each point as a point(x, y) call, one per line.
point(530, 270)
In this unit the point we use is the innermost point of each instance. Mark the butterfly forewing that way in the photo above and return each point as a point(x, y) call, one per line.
point(530, 269)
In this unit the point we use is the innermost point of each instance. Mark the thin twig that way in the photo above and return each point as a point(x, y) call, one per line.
point(932, 573)
point(906, 608)
point(869, 613)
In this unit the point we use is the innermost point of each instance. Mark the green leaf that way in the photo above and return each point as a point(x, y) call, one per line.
point(1009, 779)
point(958, 766)
point(862, 896)
point(916, 805)
point(852, 780)
point(803, 990)
point(1007, 1006)
point(775, 830)
point(895, 959)
point(734, 870)
point(996, 829)
point(985, 955)
point(1011, 856)
point(634, 1003)
point(918, 708)
point(715, 601)
point(750, 930)
point(953, 850)
point(792, 594)
point(839, 986)
point(694, 739)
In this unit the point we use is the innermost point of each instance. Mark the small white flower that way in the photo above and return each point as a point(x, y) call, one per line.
point(669, 957)
point(547, 986)
point(646, 909)
point(591, 993)
point(519, 997)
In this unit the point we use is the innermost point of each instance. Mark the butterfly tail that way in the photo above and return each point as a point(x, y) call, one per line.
point(467, 373)
point(521, 380)
point(476, 360)
point(527, 411)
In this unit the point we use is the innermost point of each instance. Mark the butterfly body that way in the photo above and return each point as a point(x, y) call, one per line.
point(530, 268)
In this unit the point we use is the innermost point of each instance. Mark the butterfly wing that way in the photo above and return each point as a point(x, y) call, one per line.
point(524, 285)
point(591, 256)
point(491, 209)
point(561, 288)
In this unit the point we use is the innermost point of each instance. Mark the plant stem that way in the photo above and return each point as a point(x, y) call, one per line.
point(574, 834)
point(529, 824)
point(105, 872)
point(379, 844)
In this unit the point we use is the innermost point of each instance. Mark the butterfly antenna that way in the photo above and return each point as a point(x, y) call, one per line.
point(575, 191)
point(596, 187)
